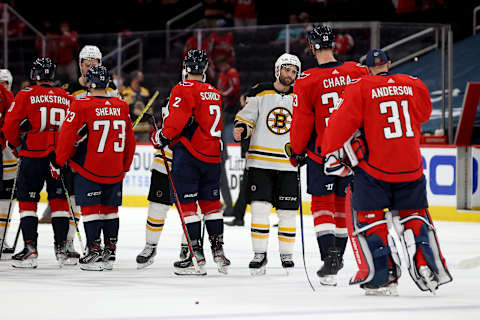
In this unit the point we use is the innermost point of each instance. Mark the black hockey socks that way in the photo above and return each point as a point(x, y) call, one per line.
point(29, 226)
point(60, 227)
point(341, 244)
point(93, 230)
point(324, 243)
point(214, 227)
point(110, 229)
point(194, 230)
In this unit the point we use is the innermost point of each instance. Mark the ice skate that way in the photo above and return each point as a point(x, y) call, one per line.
point(72, 255)
point(184, 251)
point(187, 267)
point(27, 258)
point(93, 261)
point(60, 253)
point(287, 262)
point(259, 264)
point(109, 253)
point(429, 277)
point(331, 265)
point(146, 257)
point(218, 254)
point(388, 290)
point(7, 251)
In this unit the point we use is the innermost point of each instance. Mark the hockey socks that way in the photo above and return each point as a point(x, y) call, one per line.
point(157, 213)
point(92, 230)
point(286, 230)
point(60, 228)
point(110, 228)
point(260, 228)
point(29, 226)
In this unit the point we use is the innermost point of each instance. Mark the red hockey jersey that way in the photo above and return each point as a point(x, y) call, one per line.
point(45, 108)
point(6, 99)
point(390, 109)
point(195, 117)
point(316, 93)
point(108, 151)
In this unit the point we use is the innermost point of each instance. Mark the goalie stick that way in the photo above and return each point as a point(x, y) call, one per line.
point(149, 104)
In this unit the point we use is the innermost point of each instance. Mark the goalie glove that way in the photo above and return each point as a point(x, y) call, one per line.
point(355, 149)
point(334, 164)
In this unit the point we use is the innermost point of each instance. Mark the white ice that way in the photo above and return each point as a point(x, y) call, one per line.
point(156, 293)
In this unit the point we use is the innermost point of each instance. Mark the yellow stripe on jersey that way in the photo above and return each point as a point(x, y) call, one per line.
point(3, 215)
point(10, 161)
point(267, 149)
point(250, 123)
point(10, 169)
point(265, 92)
point(250, 156)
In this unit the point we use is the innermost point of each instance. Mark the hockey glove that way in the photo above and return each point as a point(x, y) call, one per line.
point(334, 164)
point(55, 169)
point(15, 150)
point(355, 149)
point(158, 140)
point(25, 125)
point(298, 159)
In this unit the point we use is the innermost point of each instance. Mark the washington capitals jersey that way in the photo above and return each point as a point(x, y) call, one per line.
point(45, 108)
point(9, 160)
point(108, 151)
point(390, 109)
point(267, 117)
point(317, 91)
point(195, 117)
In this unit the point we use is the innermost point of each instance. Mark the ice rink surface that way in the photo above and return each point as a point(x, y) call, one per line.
point(156, 293)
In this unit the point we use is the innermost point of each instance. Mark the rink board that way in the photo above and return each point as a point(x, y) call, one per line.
point(439, 164)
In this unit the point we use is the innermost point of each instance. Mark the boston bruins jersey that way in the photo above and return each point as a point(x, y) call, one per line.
point(79, 91)
point(158, 163)
point(267, 117)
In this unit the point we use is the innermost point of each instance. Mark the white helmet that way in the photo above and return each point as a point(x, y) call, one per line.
point(90, 52)
point(6, 76)
point(285, 59)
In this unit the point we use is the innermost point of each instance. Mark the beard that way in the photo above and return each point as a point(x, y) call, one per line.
point(286, 81)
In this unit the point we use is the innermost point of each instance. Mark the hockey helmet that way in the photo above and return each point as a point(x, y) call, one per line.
point(98, 77)
point(90, 52)
point(6, 76)
point(42, 69)
point(195, 62)
point(321, 37)
point(287, 59)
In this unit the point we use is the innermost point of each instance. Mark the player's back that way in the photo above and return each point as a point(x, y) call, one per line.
point(45, 108)
point(102, 156)
point(202, 137)
point(395, 106)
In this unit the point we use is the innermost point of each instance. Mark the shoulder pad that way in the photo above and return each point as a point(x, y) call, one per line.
point(185, 83)
point(27, 89)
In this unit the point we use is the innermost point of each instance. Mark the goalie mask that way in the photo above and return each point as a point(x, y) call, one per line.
point(7, 78)
point(321, 37)
point(43, 69)
point(195, 62)
point(98, 77)
point(287, 59)
point(90, 52)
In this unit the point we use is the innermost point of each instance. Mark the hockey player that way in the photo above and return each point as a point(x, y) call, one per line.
point(43, 108)
point(272, 180)
point(100, 163)
point(317, 92)
point(9, 162)
point(194, 120)
point(388, 110)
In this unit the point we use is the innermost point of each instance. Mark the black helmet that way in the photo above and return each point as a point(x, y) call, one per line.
point(98, 77)
point(195, 62)
point(42, 69)
point(321, 37)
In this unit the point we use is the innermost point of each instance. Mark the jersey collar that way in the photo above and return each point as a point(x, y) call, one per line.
point(332, 64)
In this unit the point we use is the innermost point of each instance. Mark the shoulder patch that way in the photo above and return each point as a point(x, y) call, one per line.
point(303, 75)
point(186, 84)
point(414, 78)
point(27, 89)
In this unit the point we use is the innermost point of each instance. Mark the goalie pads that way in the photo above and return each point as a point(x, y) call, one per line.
point(428, 242)
point(370, 252)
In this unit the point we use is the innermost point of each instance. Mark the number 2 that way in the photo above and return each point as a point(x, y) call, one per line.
point(215, 109)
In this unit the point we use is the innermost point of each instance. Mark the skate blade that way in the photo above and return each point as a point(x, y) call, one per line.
point(61, 263)
point(258, 272)
point(97, 266)
point(386, 291)
point(24, 265)
point(107, 265)
point(288, 270)
point(144, 265)
point(189, 272)
point(330, 280)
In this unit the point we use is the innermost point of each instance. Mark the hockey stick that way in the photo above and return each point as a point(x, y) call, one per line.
point(72, 214)
point(301, 226)
point(10, 212)
point(149, 104)
point(180, 212)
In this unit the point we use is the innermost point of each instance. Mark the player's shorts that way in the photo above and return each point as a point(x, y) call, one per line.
point(33, 174)
point(280, 188)
point(159, 188)
point(320, 184)
point(6, 191)
point(369, 193)
point(194, 179)
point(90, 193)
